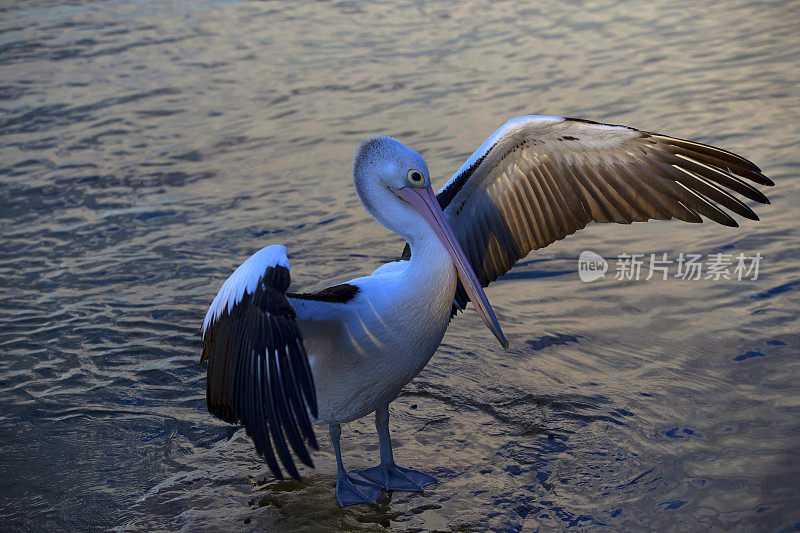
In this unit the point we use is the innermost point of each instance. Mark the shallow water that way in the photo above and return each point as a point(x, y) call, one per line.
point(147, 148)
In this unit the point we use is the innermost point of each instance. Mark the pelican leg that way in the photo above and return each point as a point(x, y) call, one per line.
point(388, 474)
point(351, 488)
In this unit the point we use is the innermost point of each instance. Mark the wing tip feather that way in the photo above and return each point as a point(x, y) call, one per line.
point(253, 391)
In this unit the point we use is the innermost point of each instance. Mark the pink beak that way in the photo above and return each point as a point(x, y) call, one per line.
point(424, 200)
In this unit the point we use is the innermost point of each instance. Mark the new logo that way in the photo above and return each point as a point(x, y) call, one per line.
point(591, 266)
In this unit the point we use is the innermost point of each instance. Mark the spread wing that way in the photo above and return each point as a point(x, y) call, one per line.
point(258, 371)
point(538, 179)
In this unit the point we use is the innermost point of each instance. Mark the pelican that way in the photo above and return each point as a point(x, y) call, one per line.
point(280, 361)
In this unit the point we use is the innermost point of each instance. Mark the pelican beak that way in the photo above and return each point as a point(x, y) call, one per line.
point(424, 201)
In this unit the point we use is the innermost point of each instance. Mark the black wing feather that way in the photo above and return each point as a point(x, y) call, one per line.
point(259, 374)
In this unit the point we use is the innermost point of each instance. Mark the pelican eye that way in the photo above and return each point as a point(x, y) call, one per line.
point(415, 177)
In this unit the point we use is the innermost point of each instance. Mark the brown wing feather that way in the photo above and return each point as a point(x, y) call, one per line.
point(539, 179)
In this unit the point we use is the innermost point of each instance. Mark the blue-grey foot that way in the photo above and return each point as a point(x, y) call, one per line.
point(398, 478)
point(353, 488)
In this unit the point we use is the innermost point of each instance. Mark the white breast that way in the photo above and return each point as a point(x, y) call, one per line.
point(364, 351)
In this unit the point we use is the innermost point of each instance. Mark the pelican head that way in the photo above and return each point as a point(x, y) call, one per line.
point(394, 186)
point(382, 166)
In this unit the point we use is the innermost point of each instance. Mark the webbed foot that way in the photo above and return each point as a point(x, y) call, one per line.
point(398, 478)
point(353, 488)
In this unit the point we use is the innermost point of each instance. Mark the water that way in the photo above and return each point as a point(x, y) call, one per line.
point(148, 147)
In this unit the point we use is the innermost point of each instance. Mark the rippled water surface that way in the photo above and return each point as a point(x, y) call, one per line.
point(147, 148)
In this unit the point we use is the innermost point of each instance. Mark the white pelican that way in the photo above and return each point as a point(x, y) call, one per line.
point(279, 361)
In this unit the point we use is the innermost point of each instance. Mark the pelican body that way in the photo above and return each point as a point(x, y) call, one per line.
point(385, 334)
point(279, 361)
